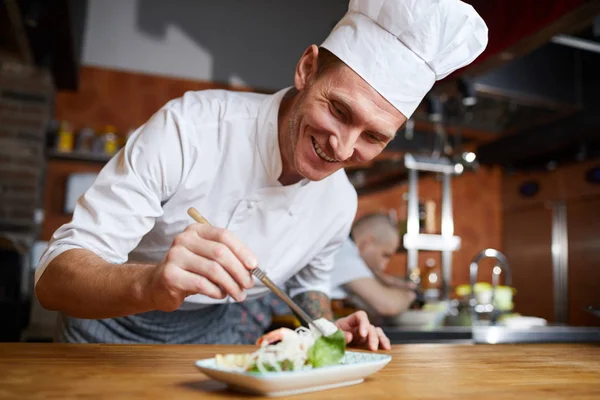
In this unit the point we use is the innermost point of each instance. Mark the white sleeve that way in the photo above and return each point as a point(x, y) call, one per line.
point(316, 276)
point(121, 206)
point(349, 266)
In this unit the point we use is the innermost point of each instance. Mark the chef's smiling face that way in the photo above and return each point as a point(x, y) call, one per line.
point(337, 120)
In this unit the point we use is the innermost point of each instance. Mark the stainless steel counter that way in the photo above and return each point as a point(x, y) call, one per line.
point(547, 334)
point(494, 335)
point(448, 334)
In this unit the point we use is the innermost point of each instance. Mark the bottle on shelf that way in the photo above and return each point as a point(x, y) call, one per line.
point(65, 140)
point(430, 223)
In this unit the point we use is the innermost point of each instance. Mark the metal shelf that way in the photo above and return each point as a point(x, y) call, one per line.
point(441, 165)
point(414, 241)
point(79, 156)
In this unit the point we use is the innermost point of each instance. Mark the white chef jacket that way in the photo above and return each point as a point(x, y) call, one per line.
point(348, 266)
point(217, 151)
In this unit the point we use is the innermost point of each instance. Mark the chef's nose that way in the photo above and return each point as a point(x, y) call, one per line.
point(343, 145)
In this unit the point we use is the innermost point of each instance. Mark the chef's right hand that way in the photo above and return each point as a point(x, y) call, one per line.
point(202, 260)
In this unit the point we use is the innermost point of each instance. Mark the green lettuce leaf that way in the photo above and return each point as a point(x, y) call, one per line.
point(327, 350)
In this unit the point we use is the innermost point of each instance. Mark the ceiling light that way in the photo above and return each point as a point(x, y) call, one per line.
point(469, 156)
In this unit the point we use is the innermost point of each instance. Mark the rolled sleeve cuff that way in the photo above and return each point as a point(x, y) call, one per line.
point(316, 288)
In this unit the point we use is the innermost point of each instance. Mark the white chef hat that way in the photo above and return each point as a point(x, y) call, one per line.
point(401, 47)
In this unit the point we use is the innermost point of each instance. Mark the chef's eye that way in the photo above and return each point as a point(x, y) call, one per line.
point(373, 138)
point(338, 111)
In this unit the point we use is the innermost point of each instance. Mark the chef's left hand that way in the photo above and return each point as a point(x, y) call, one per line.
point(359, 331)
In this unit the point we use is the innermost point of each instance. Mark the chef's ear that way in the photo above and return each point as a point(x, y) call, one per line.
point(306, 70)
point(364, 242)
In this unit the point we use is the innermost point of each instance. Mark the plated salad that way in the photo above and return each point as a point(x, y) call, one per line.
point(291, 350)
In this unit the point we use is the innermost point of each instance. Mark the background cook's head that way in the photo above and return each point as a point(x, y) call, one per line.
point(354, 92)
point(377, 239)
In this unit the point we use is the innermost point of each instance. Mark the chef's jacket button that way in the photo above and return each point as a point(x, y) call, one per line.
point(290, 213)
point(250, 204)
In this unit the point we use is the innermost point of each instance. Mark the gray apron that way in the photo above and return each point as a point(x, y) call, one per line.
point(237, 323)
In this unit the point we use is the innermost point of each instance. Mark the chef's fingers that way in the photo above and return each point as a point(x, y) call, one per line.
point(361, 321)
point(384, 341)
point(348, 336)
point(218, 252)
point(196, 284)
point(357, 322)
point(209, 269)
point(179, 282)
point(373, 338)
point(222, 235)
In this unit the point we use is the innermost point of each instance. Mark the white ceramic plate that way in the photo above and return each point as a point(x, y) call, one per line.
point(354, 368)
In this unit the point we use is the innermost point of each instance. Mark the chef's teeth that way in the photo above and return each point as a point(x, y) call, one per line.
point(321, 153)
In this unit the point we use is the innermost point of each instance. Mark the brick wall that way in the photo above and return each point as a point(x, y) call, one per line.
point(26, 98)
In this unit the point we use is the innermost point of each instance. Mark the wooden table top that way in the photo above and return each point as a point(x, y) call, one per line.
point(427, 371)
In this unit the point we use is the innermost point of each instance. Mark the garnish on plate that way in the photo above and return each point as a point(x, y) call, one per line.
point(291, 350)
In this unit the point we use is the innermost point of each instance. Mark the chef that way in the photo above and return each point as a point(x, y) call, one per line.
point(359, 271)
point(265, 170)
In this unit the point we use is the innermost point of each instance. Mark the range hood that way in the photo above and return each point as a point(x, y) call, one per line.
point(47, 34)
point(536, 94)
point(572, 133)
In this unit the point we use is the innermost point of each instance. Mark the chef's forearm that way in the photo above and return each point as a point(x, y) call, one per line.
point(391, 280)
point(316, 304)
point(83, 285)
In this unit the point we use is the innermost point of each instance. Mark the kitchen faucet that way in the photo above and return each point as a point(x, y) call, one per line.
point(502, 266)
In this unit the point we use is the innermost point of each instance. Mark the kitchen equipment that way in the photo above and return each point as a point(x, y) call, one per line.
point(522, 322)
point(77, 184)
point(414, 241)
point(259, 274)
point(417, 319)
point(430, 316)
point(502, 266)
point(42, 322)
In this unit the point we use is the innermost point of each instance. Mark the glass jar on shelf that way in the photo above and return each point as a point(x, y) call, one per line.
point(85, 140)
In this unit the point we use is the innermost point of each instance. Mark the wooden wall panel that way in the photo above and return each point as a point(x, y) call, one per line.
point(550, 188)
point(584, 260)
point(477, 218)
point(122, 99)
point(574, 183)
point(528, 239)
